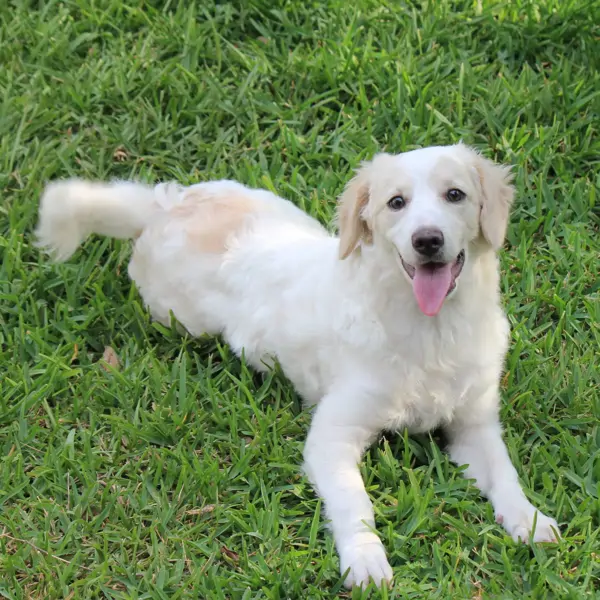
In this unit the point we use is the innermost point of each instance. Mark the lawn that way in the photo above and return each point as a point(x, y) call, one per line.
point(176, 473)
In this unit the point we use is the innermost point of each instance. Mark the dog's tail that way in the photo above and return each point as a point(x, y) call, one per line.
point(72, 210)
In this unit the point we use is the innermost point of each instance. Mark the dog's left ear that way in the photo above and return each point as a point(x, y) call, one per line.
point(498, 196)
point(351, 219)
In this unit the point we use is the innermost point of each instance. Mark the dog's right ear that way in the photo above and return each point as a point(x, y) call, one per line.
point(351, 219)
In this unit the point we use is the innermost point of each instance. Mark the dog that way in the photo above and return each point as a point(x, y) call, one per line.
point(397, 323)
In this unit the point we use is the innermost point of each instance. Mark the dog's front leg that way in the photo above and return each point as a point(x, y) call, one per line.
point(342, 428)
point(476, 441)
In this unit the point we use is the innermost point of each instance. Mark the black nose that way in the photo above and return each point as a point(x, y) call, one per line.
point(428, 241)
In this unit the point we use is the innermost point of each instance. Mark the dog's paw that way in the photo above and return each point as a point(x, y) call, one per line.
point(520, 525)
point(367, 562)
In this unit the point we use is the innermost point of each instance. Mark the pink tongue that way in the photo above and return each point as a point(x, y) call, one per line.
point(430, 286)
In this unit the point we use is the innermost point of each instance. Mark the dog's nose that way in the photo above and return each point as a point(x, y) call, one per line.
point(428, 241)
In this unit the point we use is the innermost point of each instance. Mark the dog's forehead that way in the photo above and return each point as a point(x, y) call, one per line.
point(435, 159)
point(434, 166)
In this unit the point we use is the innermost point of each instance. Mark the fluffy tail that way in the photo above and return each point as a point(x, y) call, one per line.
point(72, 210)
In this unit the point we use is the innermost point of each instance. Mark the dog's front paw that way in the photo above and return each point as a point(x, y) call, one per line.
point(520, 525)
point(366, 561)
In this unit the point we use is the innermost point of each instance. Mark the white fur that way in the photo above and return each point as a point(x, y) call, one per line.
point(348, 333)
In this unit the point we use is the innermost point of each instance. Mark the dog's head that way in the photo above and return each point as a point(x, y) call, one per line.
point(431, 208)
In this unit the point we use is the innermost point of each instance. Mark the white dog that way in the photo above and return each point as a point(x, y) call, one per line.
point(397, 323)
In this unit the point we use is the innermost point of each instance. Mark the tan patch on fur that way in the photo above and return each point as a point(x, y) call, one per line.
point(211, 220)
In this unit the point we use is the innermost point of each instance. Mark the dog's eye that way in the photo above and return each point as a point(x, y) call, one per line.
point(396, 203)
point(455, 195)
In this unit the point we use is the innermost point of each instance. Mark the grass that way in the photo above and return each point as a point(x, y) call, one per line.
point(177, 473)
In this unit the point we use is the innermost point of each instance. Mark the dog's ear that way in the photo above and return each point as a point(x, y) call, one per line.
point(498, 196)
point(351, 219)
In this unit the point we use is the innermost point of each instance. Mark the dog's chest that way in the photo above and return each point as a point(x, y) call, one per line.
point(429, 384)
point(426, 399)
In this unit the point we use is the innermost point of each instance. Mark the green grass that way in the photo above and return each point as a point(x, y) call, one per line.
point(177, 475)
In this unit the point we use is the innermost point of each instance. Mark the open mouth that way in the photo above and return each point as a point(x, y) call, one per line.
point(433, 281)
